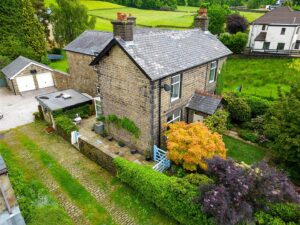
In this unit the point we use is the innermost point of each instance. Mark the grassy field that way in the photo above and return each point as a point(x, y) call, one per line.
point(259, 76)
point(241, 151)
point(61, 65)
point(251, 16)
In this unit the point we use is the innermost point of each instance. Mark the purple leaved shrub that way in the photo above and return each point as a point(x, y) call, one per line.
point(241, 190)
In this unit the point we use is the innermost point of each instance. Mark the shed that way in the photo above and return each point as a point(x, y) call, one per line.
point(61, 100)
point(25, 74)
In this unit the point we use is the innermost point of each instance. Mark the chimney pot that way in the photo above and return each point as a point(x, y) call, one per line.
point(202, 21)
point(123, 27)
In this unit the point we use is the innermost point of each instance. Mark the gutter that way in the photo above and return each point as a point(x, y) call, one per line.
point(159, 113)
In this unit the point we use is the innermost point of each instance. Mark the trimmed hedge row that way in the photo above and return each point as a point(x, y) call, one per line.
point(83, 111)
point(66, 124)
point(175, 196)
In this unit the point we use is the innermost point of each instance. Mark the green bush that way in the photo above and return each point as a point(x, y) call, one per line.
point(249, 135)
point(263, 218)
point(235, 42)
point(65, 124)
point(286, 211)
point(82, 111)
point(237, 107)
point(198, 179)
point(218, 121)
point(174, 196)
point(259, 106)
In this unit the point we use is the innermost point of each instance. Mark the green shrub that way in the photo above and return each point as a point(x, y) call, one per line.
point(174, 196)
point(286, 211)
point(198, 179)
point(263, 218)
point(235, 42)
point(218, 121)
point(125, 123)
point(65, 124)
point(259, 106)
point(37, 116)
point(82, 111)
point(249, 135)
point(101, 118)
point(237, 107)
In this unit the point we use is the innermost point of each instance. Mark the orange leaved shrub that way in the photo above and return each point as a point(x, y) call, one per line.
point(191, 144)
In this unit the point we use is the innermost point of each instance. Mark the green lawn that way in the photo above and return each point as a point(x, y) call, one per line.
point(241, 151)
point(259, 76)
point(61, 65)
point(251, 16)
point(103, 24)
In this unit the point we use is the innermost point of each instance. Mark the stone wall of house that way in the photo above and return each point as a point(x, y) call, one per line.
point(211, 87)
point(125, 92)
point(26, 72)
point(83, 77)
point(192, 80)
point(6, 185)
point(61, 80)
point(100, 156)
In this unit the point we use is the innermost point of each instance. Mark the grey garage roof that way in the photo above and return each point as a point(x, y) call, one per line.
point(59, 100)
point(2, 166)
point(18, 65)
point(204, 103)
point(162, 53)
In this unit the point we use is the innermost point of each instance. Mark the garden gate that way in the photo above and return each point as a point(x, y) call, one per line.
point(160, 156)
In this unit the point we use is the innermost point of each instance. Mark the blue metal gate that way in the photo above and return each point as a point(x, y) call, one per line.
point(160, 156)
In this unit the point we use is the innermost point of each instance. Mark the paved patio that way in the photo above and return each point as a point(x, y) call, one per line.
point(112, 147)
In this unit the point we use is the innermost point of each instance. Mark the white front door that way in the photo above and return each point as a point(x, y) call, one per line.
point(98, 106)
point(44, 80)
point(25, 83)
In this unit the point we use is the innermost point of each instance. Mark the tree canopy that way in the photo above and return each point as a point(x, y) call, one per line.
point(69, 19)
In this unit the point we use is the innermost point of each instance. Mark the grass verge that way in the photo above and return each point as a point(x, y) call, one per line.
point(37, 205)
point(92, 210)
point(241, 151)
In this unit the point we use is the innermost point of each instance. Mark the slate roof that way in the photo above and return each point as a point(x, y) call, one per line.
point(261, 36)
point(204, 103)
point(19, 64)
point(281, 15)
point(54, 101)
point(159, 53)
point(2, 166)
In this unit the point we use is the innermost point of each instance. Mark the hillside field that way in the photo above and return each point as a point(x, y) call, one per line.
point(182, 18)
point(259, 76)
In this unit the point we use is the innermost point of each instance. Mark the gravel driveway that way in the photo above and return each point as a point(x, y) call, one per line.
point(16, 109)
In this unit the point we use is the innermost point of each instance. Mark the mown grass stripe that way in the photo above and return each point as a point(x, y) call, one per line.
point(93, 211)
point(30, 191)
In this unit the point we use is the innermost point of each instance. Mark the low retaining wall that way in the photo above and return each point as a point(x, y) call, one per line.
point(102, 158)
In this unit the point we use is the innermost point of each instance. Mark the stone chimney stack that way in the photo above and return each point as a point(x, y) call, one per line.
point(201, 21)
point(132, 18)
point(123, 27)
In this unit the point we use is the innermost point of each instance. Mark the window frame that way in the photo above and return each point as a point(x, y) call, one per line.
point(298, 29)
point(215, 72)
point(297, 43)
point(264, 26)
point(283, 30)
point(174, 119)
point(177, 83)
point(282, 47)
point(264, 47)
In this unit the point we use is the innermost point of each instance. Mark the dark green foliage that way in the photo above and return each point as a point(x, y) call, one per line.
point(235, 42)
point(101, 118)
point(181, 2)
point(217, 17)
point(35, 202)
point(174, 196)
point(66, 124)
point(259, 106)
point(237, 107)
point(218, 121)
point(21, 32)
point(193, 3)
point(4, 61)
point(69, 19)
point(198, 179)
point(282, 128)
point(249, 135)
point(149, 4)
point(263, 218)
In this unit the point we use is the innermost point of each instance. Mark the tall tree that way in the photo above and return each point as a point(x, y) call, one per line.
point(217, 17)
point(69, 19)
point(34, 35)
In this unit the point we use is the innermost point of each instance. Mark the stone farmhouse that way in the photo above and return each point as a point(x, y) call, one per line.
point(150, 76)
point(276, 32)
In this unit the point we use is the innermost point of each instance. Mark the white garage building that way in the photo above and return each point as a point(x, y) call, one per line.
point(24, 74)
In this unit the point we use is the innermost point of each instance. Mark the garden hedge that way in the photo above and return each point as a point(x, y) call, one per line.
point(175, 196)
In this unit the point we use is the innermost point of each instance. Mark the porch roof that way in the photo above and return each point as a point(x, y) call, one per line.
point(204, 103)
point(63, 99)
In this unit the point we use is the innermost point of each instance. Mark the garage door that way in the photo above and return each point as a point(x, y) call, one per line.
point(44, 80)
point(25, 83)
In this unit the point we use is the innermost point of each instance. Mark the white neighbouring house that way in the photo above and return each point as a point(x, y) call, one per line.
point(276, 32)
